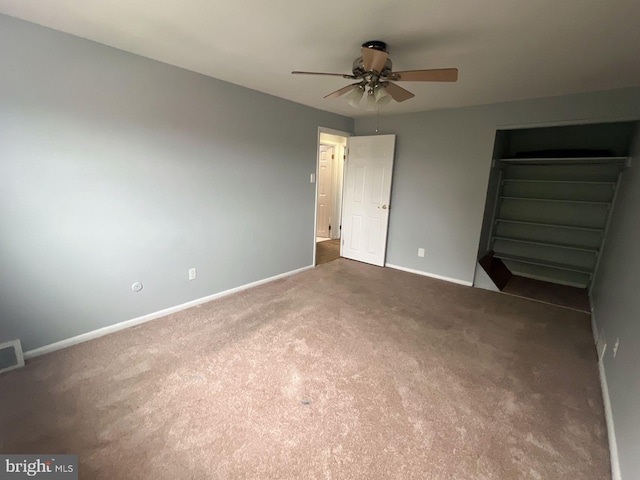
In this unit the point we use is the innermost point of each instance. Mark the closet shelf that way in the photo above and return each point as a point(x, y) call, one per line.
point(552, 190)
point(543, 263)
point(554, 200)
point(551, 225)
point(574, 182)
point(565, 160)
point(548, 244)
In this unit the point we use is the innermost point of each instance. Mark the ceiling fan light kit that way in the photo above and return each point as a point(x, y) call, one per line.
point(371, 101)
point(382, 96)
point(375, 75)
point(355, 95)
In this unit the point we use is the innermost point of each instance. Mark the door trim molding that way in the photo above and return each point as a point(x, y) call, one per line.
point(329, 131)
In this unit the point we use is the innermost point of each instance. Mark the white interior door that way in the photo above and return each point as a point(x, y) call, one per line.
point(325, 193)
point(367, 191)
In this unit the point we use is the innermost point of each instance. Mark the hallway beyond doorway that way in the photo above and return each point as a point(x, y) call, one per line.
point(327, 251)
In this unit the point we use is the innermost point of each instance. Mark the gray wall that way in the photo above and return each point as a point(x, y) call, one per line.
point(442, 167)
point(116, 169)
point(616, 304)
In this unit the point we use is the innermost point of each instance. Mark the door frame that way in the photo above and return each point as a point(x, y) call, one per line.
point(329, 131)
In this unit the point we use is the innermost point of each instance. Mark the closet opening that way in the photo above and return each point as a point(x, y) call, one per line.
point(549, 202)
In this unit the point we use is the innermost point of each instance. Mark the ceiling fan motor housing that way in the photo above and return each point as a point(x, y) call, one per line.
point(376, 45)
point(358, 63)
point(359, 71)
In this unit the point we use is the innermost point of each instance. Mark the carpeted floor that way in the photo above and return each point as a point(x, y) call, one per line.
point(342, 372)
point(563, 295)
point(327, 251)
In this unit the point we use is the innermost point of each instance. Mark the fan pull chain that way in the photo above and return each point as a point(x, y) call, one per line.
point(377, 120)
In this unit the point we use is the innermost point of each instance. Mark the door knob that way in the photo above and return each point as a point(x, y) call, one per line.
point(384, 207)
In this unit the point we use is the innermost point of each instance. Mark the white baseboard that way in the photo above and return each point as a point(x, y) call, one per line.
point(151, 316)
point(432, 275)
point(608, 414)
point(594, 326)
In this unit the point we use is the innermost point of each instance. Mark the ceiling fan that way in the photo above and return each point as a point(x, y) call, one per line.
point(373, 70)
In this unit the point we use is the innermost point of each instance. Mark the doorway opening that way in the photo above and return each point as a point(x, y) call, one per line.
point(332, 150)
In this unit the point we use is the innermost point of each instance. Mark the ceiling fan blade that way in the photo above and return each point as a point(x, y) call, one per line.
point(342, 91)
point(433, 75)
point(373, 59)
point(343, 75)
point(398, 93)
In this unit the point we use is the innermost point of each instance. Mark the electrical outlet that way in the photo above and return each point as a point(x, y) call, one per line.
point(192, 274)
point(421, 252)
point(615, 347)
point(312, 178)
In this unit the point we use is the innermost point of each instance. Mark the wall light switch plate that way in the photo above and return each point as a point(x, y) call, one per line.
point(312, 178)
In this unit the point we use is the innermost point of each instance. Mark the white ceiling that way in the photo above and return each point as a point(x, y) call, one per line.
point(505, 49)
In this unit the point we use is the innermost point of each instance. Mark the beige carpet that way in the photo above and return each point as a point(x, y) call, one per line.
point(327, 251)
point(345, 371)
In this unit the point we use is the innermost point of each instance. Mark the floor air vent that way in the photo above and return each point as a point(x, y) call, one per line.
point(11, 356)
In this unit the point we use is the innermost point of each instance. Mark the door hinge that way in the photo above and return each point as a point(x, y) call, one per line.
point(329, 227)
point(332, 156)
